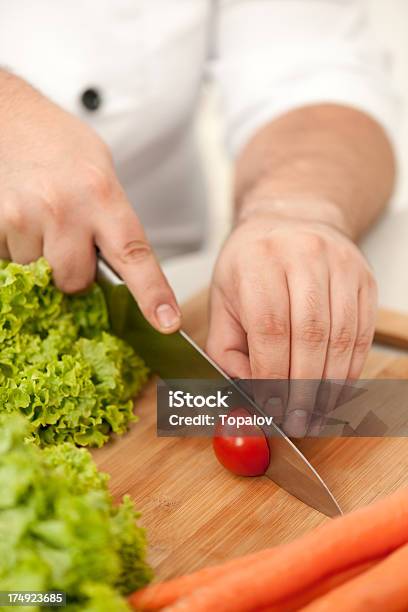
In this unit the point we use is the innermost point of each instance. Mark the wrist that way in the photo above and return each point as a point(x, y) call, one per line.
point(302, 207)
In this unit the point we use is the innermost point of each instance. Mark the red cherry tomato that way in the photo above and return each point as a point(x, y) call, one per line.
point(247, 452)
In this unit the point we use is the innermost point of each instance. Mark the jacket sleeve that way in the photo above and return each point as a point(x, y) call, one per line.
point(272, 56)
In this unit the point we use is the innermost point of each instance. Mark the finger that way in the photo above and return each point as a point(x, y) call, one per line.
point(344, 318)
point(310, 325)
point(123, 243)
point(24, 247)
point(22, 239)
point(227, 343)
point(326, 402)
point(264, 312)
point(367, 311)
point(273, 397)
point(316, 426)
point(72, 259)
point(323, 406)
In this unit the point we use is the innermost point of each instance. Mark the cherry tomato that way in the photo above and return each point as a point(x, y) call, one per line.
point(247, 452)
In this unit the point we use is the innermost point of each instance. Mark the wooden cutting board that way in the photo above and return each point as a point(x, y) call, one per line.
point(198, 514)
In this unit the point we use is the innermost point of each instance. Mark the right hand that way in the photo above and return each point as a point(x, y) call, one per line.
point(60, 198)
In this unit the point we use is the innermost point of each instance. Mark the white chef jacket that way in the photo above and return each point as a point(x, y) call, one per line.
point(147, 59)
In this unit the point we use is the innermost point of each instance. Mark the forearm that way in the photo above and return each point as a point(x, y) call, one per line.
point(10, 87)
point(19, 103)
point(326, 162)
point(9, 90)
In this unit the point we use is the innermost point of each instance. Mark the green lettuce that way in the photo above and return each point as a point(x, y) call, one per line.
point(59, 527)
point(59, 365)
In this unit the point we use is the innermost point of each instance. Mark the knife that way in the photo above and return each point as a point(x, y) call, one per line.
point(176, 355)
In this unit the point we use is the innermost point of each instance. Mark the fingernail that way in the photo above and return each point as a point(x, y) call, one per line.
point(274, 407)
point(167, 316)
point(296, 423)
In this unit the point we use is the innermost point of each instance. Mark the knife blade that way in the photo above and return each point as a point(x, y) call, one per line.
point(176, 355)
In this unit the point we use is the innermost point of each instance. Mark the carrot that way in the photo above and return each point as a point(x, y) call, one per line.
point(357, 537)
point(157, 596)
point(300, 600)
point(384, 587)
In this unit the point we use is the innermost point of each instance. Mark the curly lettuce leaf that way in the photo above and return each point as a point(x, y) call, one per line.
point(59, 365)
point(59, 527)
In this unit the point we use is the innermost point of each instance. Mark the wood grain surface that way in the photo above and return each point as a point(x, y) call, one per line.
point(392, 328)
point(198, 514)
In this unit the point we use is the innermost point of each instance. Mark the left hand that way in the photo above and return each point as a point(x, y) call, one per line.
point(291, 299)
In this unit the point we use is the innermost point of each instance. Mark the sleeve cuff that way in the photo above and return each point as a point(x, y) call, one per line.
point(371, 97)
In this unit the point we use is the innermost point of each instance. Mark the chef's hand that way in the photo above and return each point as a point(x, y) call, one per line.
point(60, 197)
point(291, 299)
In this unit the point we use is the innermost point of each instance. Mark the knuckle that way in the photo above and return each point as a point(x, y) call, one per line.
point(312, 244)
point(345, 256)
point(342, 340)
point(313, 334)
point(269, 326)
point(55, 209)
point(97, 183)
point(255, 250)
point(372, 283)
point(135, 251)
point(267, 246)
point(363, 342)
point(14, 215)
point(17, 216)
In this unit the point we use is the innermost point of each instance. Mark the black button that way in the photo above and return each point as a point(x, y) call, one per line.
point(91, 99)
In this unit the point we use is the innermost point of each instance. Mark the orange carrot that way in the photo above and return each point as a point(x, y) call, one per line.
point(357, 537)
point(384, 587)
point(159, 595)
point(321, 588)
